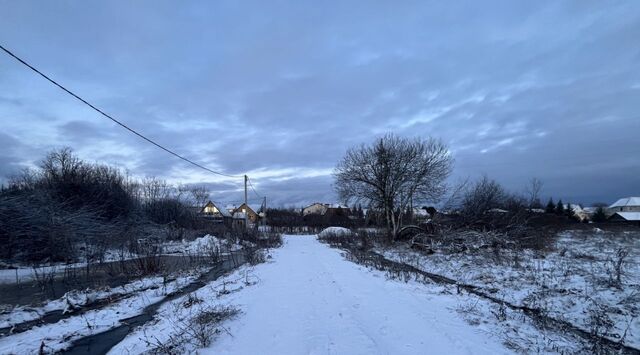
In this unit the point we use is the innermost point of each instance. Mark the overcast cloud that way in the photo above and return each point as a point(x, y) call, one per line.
point(280, 90)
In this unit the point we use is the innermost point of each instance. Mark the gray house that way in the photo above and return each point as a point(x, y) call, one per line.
point(625, 209)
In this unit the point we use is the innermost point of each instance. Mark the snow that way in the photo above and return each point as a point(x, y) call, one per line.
point(308, 299)
point(629, 216)
point(21, 273)
point(200, 246)
point(174, 315)
point(571, 282)
point(338, 231)
point(311, 301)
point(60, 335)
point(75, 299)
point(626, 202)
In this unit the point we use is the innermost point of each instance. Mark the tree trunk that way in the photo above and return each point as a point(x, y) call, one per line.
point(388, 220)
point(395, 228)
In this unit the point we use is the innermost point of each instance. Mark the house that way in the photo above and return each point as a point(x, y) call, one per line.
point(579, 212)
point(323, 209)
point(627, 204)
point(336, 209)
point(211, 209)
point(246, 211)
point(238, 223)
point(213, 212)
point(625, 217)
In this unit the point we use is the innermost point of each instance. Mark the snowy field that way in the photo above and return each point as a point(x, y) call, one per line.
point(57, 336)
point(577, 281)
point(309, 300)
point(87, 311)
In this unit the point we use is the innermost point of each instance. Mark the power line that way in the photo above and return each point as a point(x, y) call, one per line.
point(113, 119)
point(254, 190)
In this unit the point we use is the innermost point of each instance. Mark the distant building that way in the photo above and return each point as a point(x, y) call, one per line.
point(246, 210)
point(326, 209)
point(627, 204)
point(625, 209)
point(625, 217)
point(583, 214)
point(210, 209)
point(213, 212)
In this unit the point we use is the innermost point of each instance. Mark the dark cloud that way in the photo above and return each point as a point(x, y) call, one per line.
point(281, 90)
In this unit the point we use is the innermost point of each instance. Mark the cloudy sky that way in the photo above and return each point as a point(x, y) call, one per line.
point(280, 90)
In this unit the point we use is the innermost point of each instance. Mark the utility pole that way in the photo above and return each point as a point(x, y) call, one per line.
point(246, 204)
point(245, 189)
point(264, 211)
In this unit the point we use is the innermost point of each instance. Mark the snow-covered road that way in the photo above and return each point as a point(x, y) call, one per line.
point(310, 300)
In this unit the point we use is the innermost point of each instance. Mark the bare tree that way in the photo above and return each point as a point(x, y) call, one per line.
point(392, 173)
point(154, 189)
point(483, 196)
point(456, 193)
point(533, 193)
point(60, 166)
point(199, 195)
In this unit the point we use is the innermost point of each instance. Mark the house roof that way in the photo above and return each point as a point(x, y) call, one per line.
point(315, 204)
point(223, 211)
point(627, 201)
point(252, 207)
point(574, 206)
point(327, 205)
point(629, 216)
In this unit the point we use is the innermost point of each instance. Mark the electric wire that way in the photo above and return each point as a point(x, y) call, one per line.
point(252, 188)
point(114, 119)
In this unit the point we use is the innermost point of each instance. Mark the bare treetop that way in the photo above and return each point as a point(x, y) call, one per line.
point(392, 173)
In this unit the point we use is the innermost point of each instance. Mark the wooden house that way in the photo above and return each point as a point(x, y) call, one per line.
point(213, 212)
point(250, 213)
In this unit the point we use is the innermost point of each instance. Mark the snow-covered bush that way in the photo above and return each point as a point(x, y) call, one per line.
point(335, 232)
point(339, 236)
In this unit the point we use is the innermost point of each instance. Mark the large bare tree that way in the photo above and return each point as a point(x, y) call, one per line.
point(392, 173)
point(199, 195)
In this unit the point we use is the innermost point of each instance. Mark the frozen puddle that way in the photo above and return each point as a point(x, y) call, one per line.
point(312, 301)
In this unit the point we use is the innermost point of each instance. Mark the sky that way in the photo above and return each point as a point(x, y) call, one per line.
point(280, 90)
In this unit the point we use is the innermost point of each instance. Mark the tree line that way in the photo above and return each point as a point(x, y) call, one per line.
point(67, 208)
point(394, 173)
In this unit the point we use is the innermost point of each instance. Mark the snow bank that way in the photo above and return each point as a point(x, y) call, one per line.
point(60, 335)
point(75, 299)
point(200, 246)
point(335, 231)
point(572, 282)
